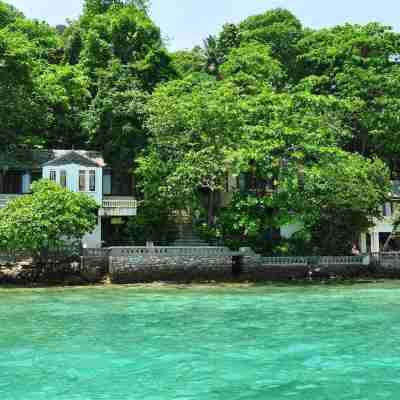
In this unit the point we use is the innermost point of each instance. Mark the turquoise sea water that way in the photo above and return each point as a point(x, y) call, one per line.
point(200, 343)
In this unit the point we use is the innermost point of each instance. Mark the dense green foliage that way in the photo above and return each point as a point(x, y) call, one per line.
point(43, 221)
point(55, 87)
point(114, 120)
point(307, 120)
point(101, 6)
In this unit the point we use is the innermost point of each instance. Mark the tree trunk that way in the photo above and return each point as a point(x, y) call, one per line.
point(210, 211)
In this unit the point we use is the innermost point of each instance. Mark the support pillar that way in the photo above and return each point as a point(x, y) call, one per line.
point(375, 242)
point(26, 182)
point(363, 243)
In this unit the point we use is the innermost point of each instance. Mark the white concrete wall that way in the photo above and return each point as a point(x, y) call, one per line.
point(93, 239)
point(73, 178)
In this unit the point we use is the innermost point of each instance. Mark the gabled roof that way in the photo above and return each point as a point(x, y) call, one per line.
point(72, 157)
point(35, 159)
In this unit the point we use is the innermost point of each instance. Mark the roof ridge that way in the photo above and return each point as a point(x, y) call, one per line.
point(73, 157)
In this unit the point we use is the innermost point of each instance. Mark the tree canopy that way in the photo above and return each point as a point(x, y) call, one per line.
point(290, 119)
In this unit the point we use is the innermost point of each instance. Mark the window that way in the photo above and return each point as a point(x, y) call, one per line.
point(63, 178)
point(387, 209)
point(53, 176)
point(82, 181)
point(87, 180)
point(92, 181)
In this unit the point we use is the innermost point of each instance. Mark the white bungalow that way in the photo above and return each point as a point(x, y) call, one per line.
point(79, 171)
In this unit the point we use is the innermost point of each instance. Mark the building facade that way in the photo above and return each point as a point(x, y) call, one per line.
point(381, 236)
point(78, 171)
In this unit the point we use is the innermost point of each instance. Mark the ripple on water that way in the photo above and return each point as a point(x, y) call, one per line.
point(200, 343)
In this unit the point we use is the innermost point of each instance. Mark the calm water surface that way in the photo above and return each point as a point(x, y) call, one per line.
point(201, 343)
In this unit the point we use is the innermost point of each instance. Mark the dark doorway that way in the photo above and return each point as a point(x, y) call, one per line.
point(11, 183)
point(113, 231)
point(392, 242)
point(121, 184)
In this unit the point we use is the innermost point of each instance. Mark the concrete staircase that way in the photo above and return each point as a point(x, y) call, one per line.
point(5, 198)
point(188, 238)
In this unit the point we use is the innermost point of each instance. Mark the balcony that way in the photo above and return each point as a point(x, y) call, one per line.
point(5, 198)
point(118, 206)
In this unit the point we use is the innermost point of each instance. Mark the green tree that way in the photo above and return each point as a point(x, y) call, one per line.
point(186, 62)
point(120, 50)
point(45, 38)
point(46, 220)
point(248, 221)
point(281, 130)
point(355, 64)
point(8, 14)
point(194, 126)
point(251, 67)
point(28, 50)
point(22, 111)
point(154, 223)
point(114, 120)
point(65, 91)
point(280, 30)
point(337, 200)
point(216, 48)
point(214, 57)
point(228, 39)
point(124, 34)
point(102, 6)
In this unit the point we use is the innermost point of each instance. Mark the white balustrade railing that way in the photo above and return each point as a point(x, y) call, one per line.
point(284, 260)
point(326, 260)
point(119, 203)
point(342, 260)
point(169, 251)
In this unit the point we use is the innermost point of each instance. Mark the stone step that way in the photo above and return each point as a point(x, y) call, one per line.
point(191, 240)
point(188, 237)
point(184, 243)
point(5, 198)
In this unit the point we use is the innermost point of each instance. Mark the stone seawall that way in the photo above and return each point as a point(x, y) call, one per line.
point(151, 268)
point(93, 269)
point(254, 268)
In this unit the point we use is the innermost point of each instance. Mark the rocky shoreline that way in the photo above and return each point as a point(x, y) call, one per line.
point(24, 274)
